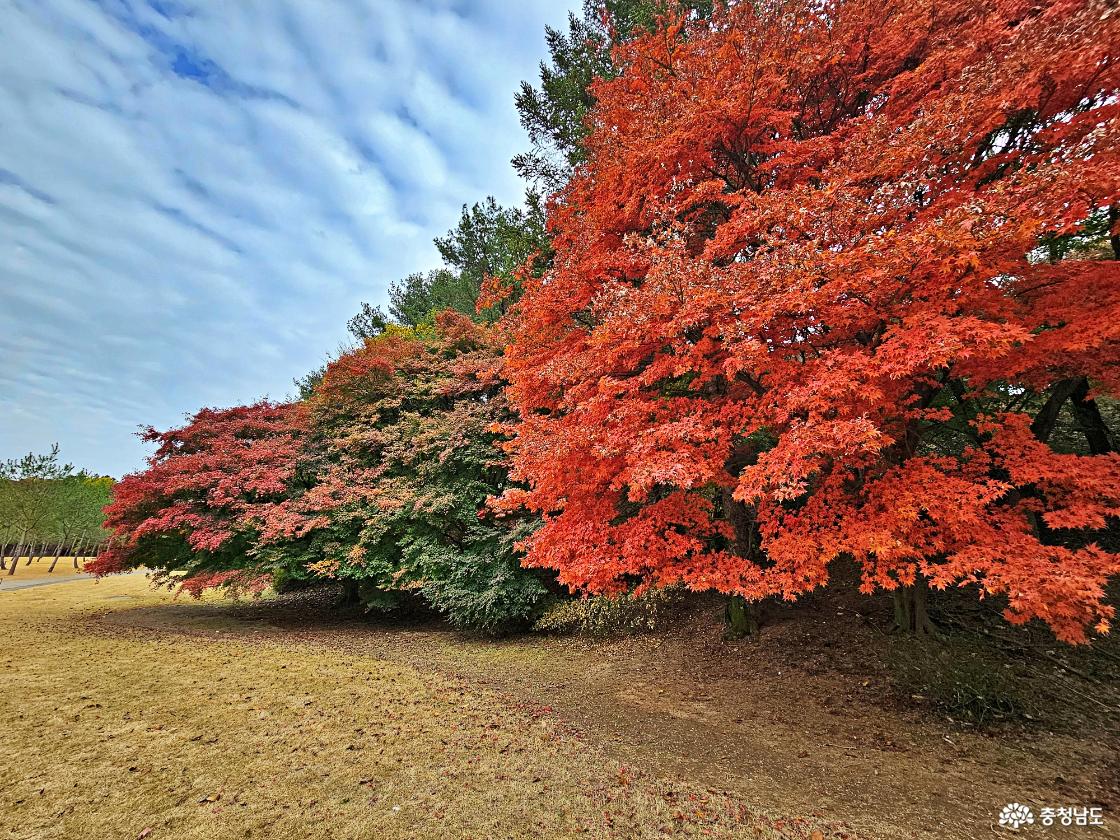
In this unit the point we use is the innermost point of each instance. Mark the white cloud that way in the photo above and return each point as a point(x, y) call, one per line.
point(194, 196)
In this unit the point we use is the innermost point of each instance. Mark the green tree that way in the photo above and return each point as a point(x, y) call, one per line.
point(29, 484)
point(555, 112)
point(402, 448)
point(77, 514)
point(368, 323)
point(490, 242)
point(414, 299)
point(7, 519)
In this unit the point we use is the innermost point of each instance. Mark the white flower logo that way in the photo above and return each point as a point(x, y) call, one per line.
point(1014, 816)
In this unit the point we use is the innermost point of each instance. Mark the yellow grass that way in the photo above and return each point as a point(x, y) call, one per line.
point(38, 569)
point(129, 735)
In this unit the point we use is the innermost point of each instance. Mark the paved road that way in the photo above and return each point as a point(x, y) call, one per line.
point(10, 584)
point(13, 583)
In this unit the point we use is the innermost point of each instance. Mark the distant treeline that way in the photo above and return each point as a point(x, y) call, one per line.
point(48, 509)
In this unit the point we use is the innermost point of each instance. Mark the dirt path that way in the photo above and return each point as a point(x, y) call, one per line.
point(801, 739)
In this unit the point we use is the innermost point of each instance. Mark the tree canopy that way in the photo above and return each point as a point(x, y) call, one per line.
point(795, 282)
point(801, 308)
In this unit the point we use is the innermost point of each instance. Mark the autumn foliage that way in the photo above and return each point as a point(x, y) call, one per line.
point(209, 485)
point(378, 480)
point(400, 461)
point(803, 289)
point(824, 282)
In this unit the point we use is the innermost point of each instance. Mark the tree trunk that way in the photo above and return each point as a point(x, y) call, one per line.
point(742, 617)
point(77, 552)
point(15, 557)
point(1114, 238)
point(3, 554)
point(1090, 420)
point(911, 612)
point(57, 553)
point(1085, 411)
point(351, 595)
point(1043, 424)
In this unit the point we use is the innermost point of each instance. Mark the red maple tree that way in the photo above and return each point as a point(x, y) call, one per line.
point(830, 276)
point(205, 494)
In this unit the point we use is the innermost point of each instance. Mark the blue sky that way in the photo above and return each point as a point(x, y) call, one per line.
point(196, 194)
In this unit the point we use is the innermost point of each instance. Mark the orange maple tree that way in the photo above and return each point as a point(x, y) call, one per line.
point(828, 278)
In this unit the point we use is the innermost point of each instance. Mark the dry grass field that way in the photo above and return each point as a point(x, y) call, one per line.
point(135, 735)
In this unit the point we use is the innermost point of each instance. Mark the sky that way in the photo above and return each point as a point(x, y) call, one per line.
point(195, 195)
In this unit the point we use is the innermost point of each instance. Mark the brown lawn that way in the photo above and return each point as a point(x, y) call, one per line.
point(210, 726)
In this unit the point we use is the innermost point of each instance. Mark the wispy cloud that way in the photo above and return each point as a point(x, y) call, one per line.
point(194, 196)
